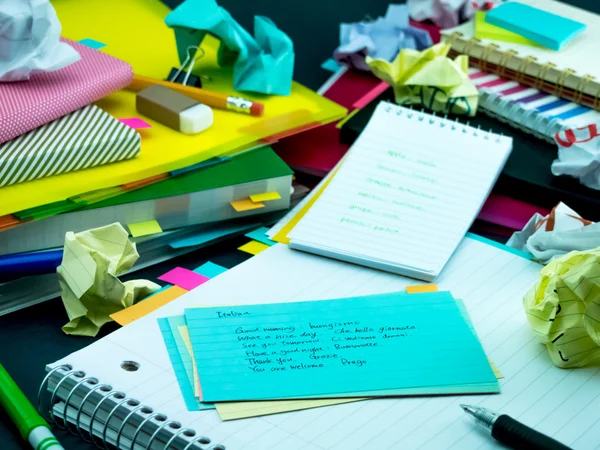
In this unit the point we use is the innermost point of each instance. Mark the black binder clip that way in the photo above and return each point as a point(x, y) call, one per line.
point(183, 76)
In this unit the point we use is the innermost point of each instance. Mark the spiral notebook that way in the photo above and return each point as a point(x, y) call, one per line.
point(529, 109)
point(131, 368)
point(406, 193)
point(572, 73)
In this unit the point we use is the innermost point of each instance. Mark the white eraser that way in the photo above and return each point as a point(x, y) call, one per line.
point(195, 119)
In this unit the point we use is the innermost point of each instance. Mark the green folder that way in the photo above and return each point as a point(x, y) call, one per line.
point(253, 165)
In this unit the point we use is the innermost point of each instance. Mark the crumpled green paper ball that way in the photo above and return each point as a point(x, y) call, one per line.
point(563, 308)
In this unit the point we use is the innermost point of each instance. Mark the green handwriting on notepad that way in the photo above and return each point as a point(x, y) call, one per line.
point(399, 155)
point(403, 173)
point(377, 228)
point(365, 344)
point(408, 190)
point(280, 348)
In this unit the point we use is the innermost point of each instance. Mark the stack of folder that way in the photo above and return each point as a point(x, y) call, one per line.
point(170, 180)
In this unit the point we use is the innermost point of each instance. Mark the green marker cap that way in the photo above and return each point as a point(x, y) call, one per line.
point(18, 407)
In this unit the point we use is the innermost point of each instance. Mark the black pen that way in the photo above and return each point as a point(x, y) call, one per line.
point(511, 433)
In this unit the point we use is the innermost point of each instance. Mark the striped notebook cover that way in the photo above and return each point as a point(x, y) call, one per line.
point(85, 138)
point(25, 105)
point(528, 109)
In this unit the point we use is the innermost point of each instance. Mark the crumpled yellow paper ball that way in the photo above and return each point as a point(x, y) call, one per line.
point(89, 286)
point(563, 308)
point(429, 79)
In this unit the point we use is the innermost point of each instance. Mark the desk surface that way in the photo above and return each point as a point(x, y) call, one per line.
point(31, 338)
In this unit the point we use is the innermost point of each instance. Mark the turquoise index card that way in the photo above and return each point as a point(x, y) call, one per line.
point(380, 345)
point(261, 236)
point(182, 362)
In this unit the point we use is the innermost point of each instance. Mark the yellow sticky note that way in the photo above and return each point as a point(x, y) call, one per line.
point(139, 310)
point(421, 288)
point(187, 341)
point(341, 123)
point(267, 196)
point(495, 369)
point(242, 410)
point(144, 228)
point(484, 30)
point(253, 247)
point(282, 235)
point(246, 205)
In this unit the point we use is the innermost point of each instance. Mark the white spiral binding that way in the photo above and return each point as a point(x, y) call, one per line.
point(442, 122)
point(87, 386)
point(519, 116)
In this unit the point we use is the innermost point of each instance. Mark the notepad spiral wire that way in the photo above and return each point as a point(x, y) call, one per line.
point(442, 122)
point(73, 391)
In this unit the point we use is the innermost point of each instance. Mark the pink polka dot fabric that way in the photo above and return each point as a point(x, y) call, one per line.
point(25, 105)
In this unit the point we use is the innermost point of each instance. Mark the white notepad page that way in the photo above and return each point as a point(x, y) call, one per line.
point(491, 282)
point(406, 194)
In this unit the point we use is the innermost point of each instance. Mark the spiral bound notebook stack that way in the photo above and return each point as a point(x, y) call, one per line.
point(529, 109)
point(573, 73)
point(406, 193)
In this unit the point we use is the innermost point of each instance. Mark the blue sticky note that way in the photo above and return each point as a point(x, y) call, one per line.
point(182, 362)
point(260, 236)
point(211, 233)
point(380, 345)
point(504, 247)
point(92, 43)
point(330, 65)
point(542, 27)
point(210, 269)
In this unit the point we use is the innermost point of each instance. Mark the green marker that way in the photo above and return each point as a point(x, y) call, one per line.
point(32, 426)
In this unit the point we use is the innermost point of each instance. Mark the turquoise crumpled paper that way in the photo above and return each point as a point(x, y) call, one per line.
point(263, 63)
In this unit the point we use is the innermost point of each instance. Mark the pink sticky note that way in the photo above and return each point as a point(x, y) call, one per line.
point(184, 278)
point(371, 95)
point(135, 122)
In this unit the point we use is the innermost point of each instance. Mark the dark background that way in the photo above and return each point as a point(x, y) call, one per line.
point(31, 338)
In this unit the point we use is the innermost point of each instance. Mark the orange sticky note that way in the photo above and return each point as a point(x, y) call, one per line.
point(139, 310)
point(253, 247)
point(265, 197)
point(246, 205)
point(420, 288)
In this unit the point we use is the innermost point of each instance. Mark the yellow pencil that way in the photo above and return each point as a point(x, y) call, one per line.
point(210, 98)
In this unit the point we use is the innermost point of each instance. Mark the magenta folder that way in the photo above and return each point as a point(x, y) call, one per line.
point(25, 105)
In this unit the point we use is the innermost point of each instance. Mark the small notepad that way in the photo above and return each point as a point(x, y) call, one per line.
point(380, 345)
point(406, 194)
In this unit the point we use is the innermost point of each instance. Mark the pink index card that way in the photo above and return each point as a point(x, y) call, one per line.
point(135, 122)
point(184, 278)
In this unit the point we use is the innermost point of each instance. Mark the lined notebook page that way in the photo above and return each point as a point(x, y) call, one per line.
point(491, 282)
point(406, 194)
